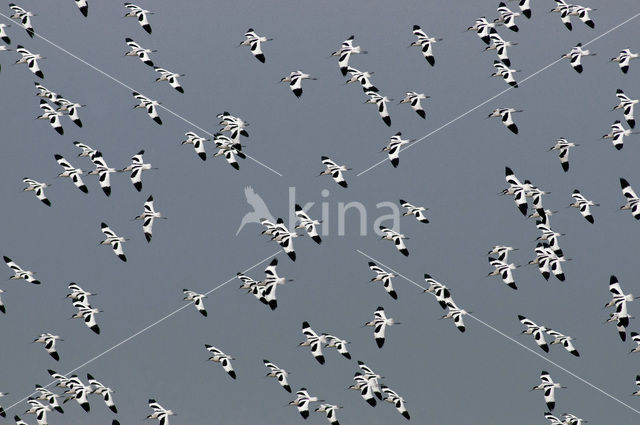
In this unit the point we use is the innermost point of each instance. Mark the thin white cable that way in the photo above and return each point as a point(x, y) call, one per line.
point(140, 332)
point(447, 124)
point(499, 332)
point(111, 77)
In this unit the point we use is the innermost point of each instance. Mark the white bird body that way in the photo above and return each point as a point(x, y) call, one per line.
point(114, 240)
point(623, 59)
point(219, 356)
point(505, 114)
point(148, 105)
point(413, 99)
point(295, 81)
point(397, 238)
point(134, 11)
point(169, 77)
point(381, 102)
point(626, 104)
point(139, 51)
point(314, 341)
point(19, 273)
point(30, 59)
point(38, 188)
point(384, 277)
point(148, 216)
point(334, 170)
point(278, 373)
point(425, 43)
point(103, 171)
point(196, 299)
point(344, 54)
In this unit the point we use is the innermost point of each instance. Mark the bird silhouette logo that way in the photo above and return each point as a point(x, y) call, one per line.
point(260, 209)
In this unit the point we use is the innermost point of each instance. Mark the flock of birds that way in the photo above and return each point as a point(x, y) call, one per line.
point(528, 199)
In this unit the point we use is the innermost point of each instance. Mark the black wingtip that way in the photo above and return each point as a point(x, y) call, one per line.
point(379, 342)
point(55, 356)
point(202, 155)
point(158, 120)
point(387, 121)
point(421, 113)
point(232, 374)
point(39, 74)
point(260, 57)
point(513, 128)
point(292, 255)
point(46, 202)
point(343, 184)
point(138, 186)
point(297, 92)
point(317, 239)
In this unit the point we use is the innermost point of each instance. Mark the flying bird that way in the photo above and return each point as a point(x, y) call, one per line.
point(575, 57)
point(19, 273)
point(149, 106)
point(484, 29)
point(384, 277)
point(334, 170)
point(583, 14)
point(314, 341)
point(381, 103)
point(633, 202)
point(535, 330)
point(49, 341)
point(295, 81)
point(302, 402)
point(617, 134)
point(394, 146)
point(83, 6)
point(229, 148)
point(103, 171)
point(37, 188)
point(308, 224)
point(626, 104)
point(379, 323)
point(438, 290)
point(564, 9)
point(219, 356)
point(623, 59)
point(507, 17)
point(52, 116)
point(88, 315)
point(254, 41)
point(136, 168)
point(397, 238)
point(505, 114)
point(196, 299)
point(31, 60)
point(525, 8)
point(361, 77)
point(339, 344)
point(500, 46)
point(70, 108)
point(139, 51)
point(159, 412)
point(456, 313)
point(583, 204)
point(425, 43)
point(197, 142)
point(503, 270)
point(562, 146)
point(417, 212)
point(563, 340)
point(278, 373)
point(413, 99)
point(140, 14)
point(105, 392)
point(344, 53)
point(505, 72)
point(71, 172)
point(22, 16)
point(3, 34)
point(392, 397)
point(169, 77)
point(148, 215)
point(330, 411)
point(114, 240)
point(548, 387)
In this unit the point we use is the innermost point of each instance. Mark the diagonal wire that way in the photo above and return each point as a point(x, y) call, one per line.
point(499, 332)
point(114, 79)
point(138, 333)
point(464, 114)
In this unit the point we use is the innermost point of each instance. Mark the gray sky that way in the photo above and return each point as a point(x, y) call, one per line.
point(445, 377)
